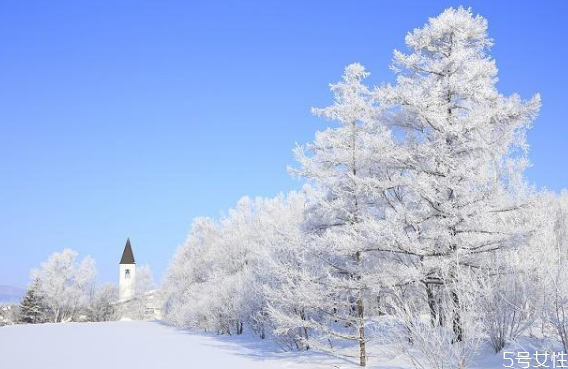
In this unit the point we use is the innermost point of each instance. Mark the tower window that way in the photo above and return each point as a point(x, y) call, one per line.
point(127, 274)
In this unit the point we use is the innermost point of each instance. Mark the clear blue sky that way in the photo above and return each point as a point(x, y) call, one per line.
point(130, 119)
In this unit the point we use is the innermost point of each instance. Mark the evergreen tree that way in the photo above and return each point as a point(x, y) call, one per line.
point(31, 308)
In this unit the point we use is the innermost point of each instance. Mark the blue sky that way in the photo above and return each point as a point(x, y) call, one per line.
point(129, 119)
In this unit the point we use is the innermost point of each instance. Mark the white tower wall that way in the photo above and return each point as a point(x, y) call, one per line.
point(126, 281)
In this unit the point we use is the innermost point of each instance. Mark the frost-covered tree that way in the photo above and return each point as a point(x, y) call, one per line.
point(143, 285)
point(64, 284)
point(9, 314)
point(144, 280)
point(554, 267)
point(281, 261)
point(218, 280)
point(189, 267)
point(32, 308)
point(433, 346)
point(101, 306)
point(347, 169)
point(464, 196)
point(514, 286)
point(417, 209)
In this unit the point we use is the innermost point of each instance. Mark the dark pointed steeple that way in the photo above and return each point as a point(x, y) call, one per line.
point(127, 255)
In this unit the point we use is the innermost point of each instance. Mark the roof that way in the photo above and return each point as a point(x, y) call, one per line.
point(127, 255)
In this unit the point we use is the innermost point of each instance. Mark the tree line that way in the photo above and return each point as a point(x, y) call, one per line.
point(415, 220)
point(64, 289)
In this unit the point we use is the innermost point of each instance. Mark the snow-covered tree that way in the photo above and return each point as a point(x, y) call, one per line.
point(433, 346)
point(102, 303)
point(210, 272)
point(32, 308)
point(144, 280)
point(554, 267)
point(143, 285)
point(464, 196)
point(348, 174)
point(188, 267)
point(219, 279)
point(64, 284)
point(278, 259)
point(417, 208)
point(9, 314)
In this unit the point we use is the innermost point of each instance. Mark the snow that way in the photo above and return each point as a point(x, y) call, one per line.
point(152, 345)
point(142, 345)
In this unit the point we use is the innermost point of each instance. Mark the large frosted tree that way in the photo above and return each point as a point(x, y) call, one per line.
point(421, 185)
point(461, 191)
point(345, 206)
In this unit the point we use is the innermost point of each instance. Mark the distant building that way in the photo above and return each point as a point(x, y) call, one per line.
point(127, 270)
point(131, 304)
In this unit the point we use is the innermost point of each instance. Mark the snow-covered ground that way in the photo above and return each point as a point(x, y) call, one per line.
point(141, 345)
point(153, 345)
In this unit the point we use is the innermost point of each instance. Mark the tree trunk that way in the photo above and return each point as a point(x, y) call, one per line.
point(362, 349)
point(304, 328)
point(380, 310)
point(431, 304)
point(456, 307)
point(361, 317)
point(355, 220)
point(456, 320)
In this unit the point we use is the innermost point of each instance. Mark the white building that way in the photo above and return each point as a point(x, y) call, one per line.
point(132, 304)
point(127, 270)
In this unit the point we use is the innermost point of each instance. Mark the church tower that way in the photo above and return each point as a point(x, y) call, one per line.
point(127, 276)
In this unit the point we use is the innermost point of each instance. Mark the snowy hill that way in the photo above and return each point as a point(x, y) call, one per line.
point(10, 294)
